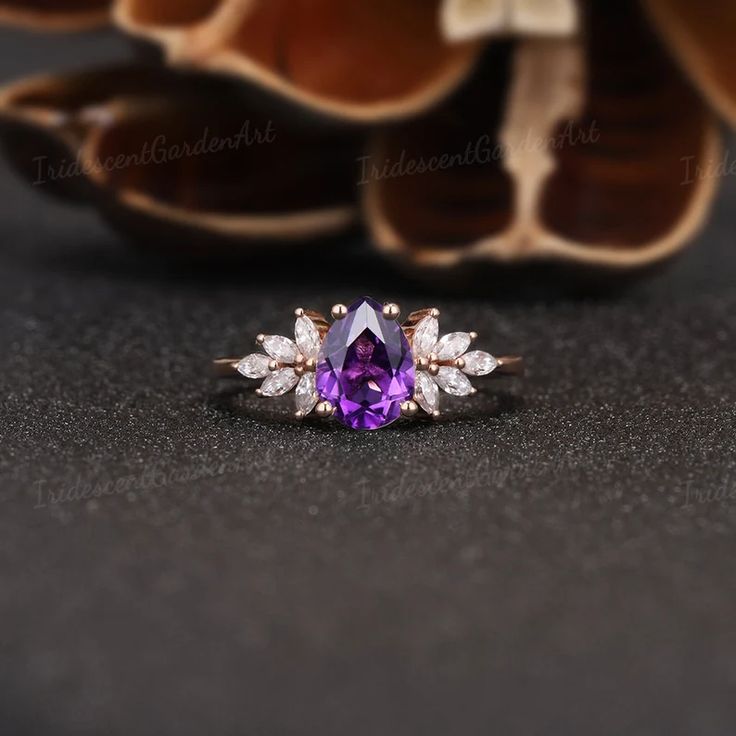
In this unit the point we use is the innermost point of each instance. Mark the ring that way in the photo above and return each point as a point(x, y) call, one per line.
point(366, 369)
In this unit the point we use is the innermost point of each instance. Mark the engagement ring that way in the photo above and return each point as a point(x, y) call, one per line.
point(366, 369)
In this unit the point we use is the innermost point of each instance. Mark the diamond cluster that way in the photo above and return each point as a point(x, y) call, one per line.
point(444, 363)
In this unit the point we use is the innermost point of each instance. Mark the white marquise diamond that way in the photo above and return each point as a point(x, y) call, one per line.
point(425, 336)
point(306, 396)
point(452, 346)
point(280, 348)
point(254, 366)
point(307, 337)
point(426, 393)
point(479, 363)
point(279, 382)
point(453, 381)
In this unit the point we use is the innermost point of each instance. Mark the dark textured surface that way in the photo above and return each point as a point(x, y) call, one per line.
point(539, 562)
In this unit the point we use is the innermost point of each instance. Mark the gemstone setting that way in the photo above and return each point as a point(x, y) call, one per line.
point(365, 367)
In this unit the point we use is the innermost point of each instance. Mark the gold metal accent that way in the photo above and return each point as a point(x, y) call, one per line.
point(421, 364)
point(300, 365)
point(417, 316)
point(473, 336)
point(299, 415)
point(339, 311)
point(260, 338)
point(299, 312)
point(320, 322)
point(324, 409)
point(391, 310)
point(459, 363)
point(273, 365)
point(409, 408)
point(310, 365)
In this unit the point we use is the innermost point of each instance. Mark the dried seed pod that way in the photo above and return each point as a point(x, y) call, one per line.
point(554, 152)
point(195, 168)
point(358, 60)
point(465, 19)
point(702, 36)
point(55, 15)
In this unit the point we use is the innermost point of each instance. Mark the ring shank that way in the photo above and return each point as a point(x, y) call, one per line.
point(226, 367)
point(509, 365)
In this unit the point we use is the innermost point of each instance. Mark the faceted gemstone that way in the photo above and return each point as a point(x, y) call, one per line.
point(254, 365)
point(365, 367)
point(425, 336)
point(452, 346)
point(307, 337)
point(479, 363)
point(453, 381)
point(426, 393)
point(280, 348)
point(279, 382)
point(305, 395)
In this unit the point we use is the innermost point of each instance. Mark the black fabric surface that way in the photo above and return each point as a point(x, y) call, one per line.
point(555, 557)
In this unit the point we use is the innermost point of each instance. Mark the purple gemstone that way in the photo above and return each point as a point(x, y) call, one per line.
point(365, 367)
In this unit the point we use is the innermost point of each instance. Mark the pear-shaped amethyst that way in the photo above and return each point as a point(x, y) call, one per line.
point(365, 367)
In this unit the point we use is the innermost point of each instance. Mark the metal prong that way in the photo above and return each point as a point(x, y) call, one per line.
point(391, 310)
point(459, 363)
point(300, 414)
point(310, 365)
point(299, 312)
point(433, 369)
point(260, 338)
point(273, 365)
point(409, 408)
point(436, 414)
point(422, 364)
point(259, 392)
point(473, 336)
point(434, 312)
point(339, 311)
point(474, 391)
point(324, 409)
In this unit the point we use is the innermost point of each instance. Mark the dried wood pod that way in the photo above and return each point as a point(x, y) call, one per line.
point(55, 15)
point(358, 60)
point(576, 152)
point(465, 19)
point(196, 168)
point(702, 37)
